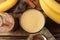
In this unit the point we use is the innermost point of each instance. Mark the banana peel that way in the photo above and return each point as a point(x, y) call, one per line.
point(7, 5)
point(53, 5)
point(49, 12)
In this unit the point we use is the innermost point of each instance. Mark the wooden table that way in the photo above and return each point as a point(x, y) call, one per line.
point(22, 35)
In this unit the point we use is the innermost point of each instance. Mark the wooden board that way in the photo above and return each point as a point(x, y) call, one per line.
point(22, 35)
point(18, 32)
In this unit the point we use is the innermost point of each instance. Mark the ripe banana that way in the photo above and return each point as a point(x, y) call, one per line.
point(7, 5)
point(53, 4)
point(49, 12)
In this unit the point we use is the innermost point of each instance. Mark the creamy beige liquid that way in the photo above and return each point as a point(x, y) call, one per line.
point(32, 21)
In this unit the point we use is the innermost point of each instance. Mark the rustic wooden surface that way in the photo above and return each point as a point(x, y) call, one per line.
point(20, 34)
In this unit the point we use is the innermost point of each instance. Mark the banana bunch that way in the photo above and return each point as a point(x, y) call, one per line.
point(7, 4)
point(51, 9)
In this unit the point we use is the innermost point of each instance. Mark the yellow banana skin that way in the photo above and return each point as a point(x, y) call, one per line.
point(53, 4)
point(49, 12)
point(7, 5)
